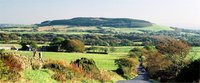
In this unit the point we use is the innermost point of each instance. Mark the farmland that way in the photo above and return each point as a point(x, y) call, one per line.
point(105, 50)
point(103, 61)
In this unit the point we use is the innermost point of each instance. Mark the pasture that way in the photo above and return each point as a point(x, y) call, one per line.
point(82, 30)
point(103, 61)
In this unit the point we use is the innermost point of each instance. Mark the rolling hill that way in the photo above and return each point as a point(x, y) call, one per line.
point(100, 22)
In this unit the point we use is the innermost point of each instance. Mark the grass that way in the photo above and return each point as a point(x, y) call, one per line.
point(103, 61)
point(195, 53)
point(38, 76)
point(83, 30)
point(153, 28)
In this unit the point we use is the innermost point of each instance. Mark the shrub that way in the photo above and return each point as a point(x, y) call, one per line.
point(3, 71)
point(59, 76)
point(90, 70)
point(88, 65)
point(55, 65)
point(190, 73)
point(11, 65)
point(176, 51)
point(135, 52)
point(62, 70)
point(156, 63)
point(126, 67)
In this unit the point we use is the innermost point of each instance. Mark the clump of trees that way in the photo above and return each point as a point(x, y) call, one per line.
point(73, 46)
point(68, 45)
point(167, 58)
point(26, 44)
point(163, 61)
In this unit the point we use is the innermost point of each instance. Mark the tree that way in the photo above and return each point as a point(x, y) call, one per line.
point(174, 50)
point(156, 63)
point(73, 46)
point(136, 52)
point(24, 44)
point(57, 41)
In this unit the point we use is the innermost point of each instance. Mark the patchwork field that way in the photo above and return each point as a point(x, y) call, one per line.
point(82, 30)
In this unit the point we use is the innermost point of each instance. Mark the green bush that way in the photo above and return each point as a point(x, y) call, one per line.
point(190, 73)
point(3, 71)
point(126, 67)
point(62, 71)
point(88, 65)
point(136, 52)
point(55, 66)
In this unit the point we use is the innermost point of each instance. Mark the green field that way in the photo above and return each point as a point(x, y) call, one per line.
point(153, 28)
point(83, 30)
point(103, 61)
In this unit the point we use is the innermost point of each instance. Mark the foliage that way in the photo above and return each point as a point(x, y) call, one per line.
point(176, 50)
point(55, 65)
point(126, 67)
point(57, 41)
point(88, 65)
point(155, 64)
point(11, 65)
point(167, 45)
point(136, 52)
point(73, 46)
point(190, 73)
point(24, 44)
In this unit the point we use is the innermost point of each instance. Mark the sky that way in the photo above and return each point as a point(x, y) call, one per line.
point(177, 13)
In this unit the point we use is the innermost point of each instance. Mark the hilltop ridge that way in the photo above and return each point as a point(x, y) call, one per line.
point(100, 22)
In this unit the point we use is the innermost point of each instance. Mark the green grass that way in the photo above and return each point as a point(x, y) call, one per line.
point(153, 28)
point(38, 76)
point(103, 61)
point(195, 53)
point(83, 30)
point(9, 45)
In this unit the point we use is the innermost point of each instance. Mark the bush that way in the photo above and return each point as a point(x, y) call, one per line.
point(3, 71)
point(176, 51)
point(11, 65)
point(190, 73)
point(156, 64)
point(88, 65)
point(126, 67)
point(59, 76)
point(55, 65)
point(136, 52)
point(63, 71)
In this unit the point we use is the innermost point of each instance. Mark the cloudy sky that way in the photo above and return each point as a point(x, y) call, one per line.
point(180, 13)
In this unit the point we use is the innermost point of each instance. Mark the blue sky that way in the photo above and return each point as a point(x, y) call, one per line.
point(181, 13)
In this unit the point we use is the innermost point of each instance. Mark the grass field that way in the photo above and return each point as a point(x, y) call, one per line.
point(153, 28)
point(103, 61)
point(83, 30)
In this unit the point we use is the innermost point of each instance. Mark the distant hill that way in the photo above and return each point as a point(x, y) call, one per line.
point(100, 22)
point(15, 25)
